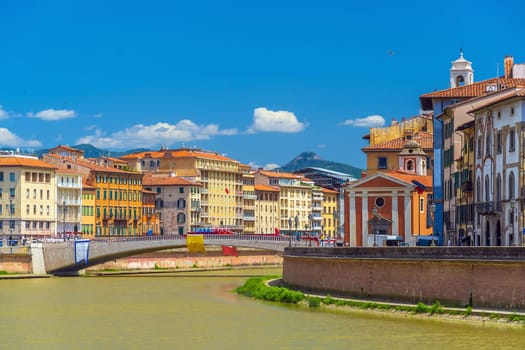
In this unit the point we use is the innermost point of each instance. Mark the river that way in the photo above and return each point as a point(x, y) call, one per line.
point(199, 311)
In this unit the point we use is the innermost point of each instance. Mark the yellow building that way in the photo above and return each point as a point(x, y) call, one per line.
point(27, 198)
point(88, 210)
point(221, 202)
point(266, 209)
point(118, 194)
point(330, 213)
point(386, 142)
point(295, 199)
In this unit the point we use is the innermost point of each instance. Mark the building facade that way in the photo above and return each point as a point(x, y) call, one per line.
point(27, 198)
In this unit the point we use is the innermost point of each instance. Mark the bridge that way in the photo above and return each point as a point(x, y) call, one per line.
point(68, 257)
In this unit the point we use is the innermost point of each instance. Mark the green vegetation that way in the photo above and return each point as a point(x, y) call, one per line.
point(157, 267)
point(257, 288)
point(2, 272)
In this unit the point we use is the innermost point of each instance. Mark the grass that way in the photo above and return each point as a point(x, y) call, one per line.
point(2, 272)
point(257, 288)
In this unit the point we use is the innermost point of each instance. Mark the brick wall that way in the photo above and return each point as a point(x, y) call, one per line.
point(492, 278)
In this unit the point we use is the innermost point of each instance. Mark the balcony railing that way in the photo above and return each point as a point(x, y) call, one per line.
point(488, 208)
point(466, 186)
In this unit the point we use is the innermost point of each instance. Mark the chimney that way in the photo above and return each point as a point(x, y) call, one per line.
point(508, 62)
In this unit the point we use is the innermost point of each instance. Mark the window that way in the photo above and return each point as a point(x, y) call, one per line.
point(512, 111)
point(0, 193)
point(511, 185)
point(382, 163)
point(498, 142)
point(181, 189)
point(12, 177)
point(181, 218)
point(181, 203)
point(512, 142)
point(1, 177)
point(487, 188)
point(12, 192)
point(421, 205)
point(487, 145)
point(380, 202)
point(479, 147)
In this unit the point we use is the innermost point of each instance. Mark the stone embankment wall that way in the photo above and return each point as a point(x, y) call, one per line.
point(481, 277)
point(184, 260)
point(15, 263)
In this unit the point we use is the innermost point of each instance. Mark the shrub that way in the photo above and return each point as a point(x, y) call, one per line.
point(436, 308)
point(256, 288)
point(421, 308)
point(314, 302)
point(468, 311)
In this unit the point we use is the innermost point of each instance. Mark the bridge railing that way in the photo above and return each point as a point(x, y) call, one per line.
point(241, 237)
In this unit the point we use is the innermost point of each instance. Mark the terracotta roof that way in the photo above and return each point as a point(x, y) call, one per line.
point(152, 179)
point(116, 160)
point(425, 139)
point(280, 175)
point(25, 162)
point(468, 91)
point(71, 149)
point(327, 190)
point(91, 164)
point(179, 153)
point(68, 171)
point(425, 180)
point(267, 188)
point(518, 93)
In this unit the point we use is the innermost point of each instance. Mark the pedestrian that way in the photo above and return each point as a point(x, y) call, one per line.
point(449, 242)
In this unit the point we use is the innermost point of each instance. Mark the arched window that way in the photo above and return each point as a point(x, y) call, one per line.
point(410, 165)
point(498, 188)
point(478, 190)
point(487, 188)
point(460, 81)
point(511, 185)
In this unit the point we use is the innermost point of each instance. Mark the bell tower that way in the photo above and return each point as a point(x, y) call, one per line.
point(461, 72)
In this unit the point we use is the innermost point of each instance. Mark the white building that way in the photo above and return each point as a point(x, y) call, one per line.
point(500, 170)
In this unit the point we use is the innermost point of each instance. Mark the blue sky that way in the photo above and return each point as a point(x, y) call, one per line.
point(260, 81)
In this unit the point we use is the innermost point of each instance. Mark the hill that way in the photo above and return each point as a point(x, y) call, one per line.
point(91, 151)
point(310, 159)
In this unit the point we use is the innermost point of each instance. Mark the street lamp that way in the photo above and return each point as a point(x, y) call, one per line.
point(290, 231)
point(11, 223)
point(512, 221)
point(64, 210)
point(336, 231)
point(374, 212)
point(432, 209)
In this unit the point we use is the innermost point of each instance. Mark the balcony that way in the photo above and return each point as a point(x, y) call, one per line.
point(488, 208)
point(466, 186)
point(317, 217)
point(249, 218)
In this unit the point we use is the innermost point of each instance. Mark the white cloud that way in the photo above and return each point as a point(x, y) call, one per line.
point(372, 121)
point(7, 138)
point(3, 114)
point(266, 120)
point(98, 115)
point(54, 114)
point(156, 134)
point(271, 166)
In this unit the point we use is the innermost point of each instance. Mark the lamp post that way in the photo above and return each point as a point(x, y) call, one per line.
point(11, 223)
point(374, 212)
point(296, 219)
point(336, 231)
point(289, 231)
point(512, 223)
point(432, 211)
point(64, 210)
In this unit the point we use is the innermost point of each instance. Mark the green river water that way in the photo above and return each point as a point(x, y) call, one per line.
point(199, 311)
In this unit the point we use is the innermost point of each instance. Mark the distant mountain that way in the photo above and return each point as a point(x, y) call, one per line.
point(91, 151)
point(310, 159)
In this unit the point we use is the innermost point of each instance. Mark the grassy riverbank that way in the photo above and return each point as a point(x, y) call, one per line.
point(259, 288)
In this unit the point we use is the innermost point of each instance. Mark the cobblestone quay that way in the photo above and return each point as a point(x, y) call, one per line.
point(483, 277)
